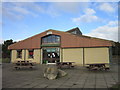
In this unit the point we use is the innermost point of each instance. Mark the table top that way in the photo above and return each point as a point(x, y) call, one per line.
point(97, 63)
point(65, 62)
point(26, 61)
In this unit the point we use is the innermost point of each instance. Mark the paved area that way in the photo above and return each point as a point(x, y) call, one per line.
point(78, 77)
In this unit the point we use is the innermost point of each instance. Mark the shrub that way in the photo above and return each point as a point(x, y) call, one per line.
point(5, 60)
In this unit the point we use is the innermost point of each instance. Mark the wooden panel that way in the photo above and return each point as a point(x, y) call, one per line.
point(37, 55)
point(73, 55)
point(96, 55)
point(13, 56)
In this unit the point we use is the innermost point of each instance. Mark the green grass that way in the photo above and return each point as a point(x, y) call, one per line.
point(116, 86)
point(0, 60)
point(5, 60)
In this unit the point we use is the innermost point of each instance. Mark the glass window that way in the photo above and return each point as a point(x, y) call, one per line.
point(51, 39)
point(45, 40)
point(31, 53)
point(19, 53)
point(74, 32)
point(51, 55)
point(57, 39)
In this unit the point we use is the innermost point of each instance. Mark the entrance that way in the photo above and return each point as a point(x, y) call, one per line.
point(51, 55)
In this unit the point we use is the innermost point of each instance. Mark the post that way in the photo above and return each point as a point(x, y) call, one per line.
point(110, 55)
point(24, 54)
point(83, 57)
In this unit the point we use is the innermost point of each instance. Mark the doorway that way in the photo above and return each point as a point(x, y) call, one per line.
point(51, 55)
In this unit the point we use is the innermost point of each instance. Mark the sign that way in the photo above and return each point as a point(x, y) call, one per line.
point(49, 32)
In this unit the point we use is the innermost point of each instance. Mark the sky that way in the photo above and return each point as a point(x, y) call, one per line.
point(21, 20)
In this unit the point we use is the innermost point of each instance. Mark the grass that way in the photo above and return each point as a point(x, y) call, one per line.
point(116, 86)
point(0, 60)
point(4, 60)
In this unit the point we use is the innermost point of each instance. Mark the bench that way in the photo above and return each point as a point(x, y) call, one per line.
point(26, 64)
point(68, 64)
point(97, 66)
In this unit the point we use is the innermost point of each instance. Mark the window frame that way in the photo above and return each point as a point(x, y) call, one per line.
point(20, 53)
point(30, 50)
point(50, 39)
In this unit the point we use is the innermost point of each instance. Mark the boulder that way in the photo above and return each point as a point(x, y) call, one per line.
point(51, 72)
point(61, 73)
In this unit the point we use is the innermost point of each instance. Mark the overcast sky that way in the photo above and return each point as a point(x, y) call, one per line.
point(21, 20)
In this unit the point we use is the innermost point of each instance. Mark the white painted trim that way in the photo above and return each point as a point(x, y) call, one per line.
point(51, 63)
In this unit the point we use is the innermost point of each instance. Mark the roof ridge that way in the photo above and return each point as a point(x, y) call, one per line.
point(72, 29)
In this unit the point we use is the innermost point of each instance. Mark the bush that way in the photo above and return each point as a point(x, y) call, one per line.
point(116, 86)
point(5, 60)
point(0, 60)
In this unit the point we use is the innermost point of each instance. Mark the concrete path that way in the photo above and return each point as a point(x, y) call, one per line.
point(78, 77)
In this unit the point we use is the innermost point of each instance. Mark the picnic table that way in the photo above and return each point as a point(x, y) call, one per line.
point(68, 64)
point(26, 63)
point(97, 66)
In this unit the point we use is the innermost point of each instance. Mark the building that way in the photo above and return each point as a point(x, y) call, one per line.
point(59, 46)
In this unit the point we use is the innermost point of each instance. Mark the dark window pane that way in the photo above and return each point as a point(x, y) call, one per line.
point(57, 39)
point(31, 53)
point(51, 39)
point(45, 40)
point(74, 32)
point(19, 53)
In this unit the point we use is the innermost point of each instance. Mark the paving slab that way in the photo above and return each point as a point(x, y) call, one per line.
point(101, 86)
point(78, 77)
point(77, 86)
point(54, 86)
point(41, 86)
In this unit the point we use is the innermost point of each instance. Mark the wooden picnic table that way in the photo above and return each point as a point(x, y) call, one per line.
point(97, 66)
point(61, 64)
point(26, 63)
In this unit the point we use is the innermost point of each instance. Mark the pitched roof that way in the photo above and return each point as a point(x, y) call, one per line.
point(75, 31)
point(67, 40)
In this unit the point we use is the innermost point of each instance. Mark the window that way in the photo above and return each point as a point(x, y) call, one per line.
point(51, 39)
point(57, 39)
point(19, 53)
point(74, 32)
point(51, 55)
point(31, 53)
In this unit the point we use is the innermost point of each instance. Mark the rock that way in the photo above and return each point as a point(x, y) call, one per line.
point(51, 76)
point(61, 73)
point(51, 72)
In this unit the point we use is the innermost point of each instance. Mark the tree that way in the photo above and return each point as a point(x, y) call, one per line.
point(116, 49)
point(5, 51)
point(0, 50)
